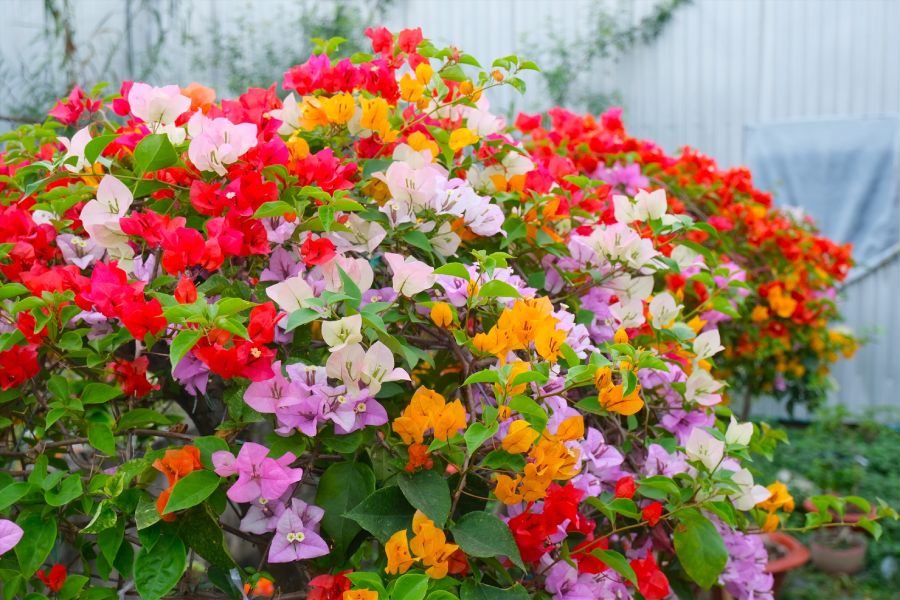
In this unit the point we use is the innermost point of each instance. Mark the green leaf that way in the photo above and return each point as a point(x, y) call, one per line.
point(10, 290)
point(158, 570)
point(341, 487)
point(700, 548)
point(182, 344)
point(617, 563)
point(477, 434)
point(454, 270)
point(70, 489)
point(471, 590)
point(146, 515)
point(98, 393)
point(101, 437)
point(37, 540)
point(486, 376)
point(273, 209)
point(498, 289)
point(441, 595)
point(154, 152)
point(530, 410)
point(12, 493)
point(141, 417)
point(192, 490)
point(301, 317)
point(484, 535)
point(203, 533)
point(453, 73)
point(369, 581)
point(96, 146)
point(428, 492)
point(411, 586)
point(383, 513)
point(110, 539)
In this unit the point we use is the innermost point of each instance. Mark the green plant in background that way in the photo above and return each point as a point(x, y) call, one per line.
point(829, 455)
point(567, 60)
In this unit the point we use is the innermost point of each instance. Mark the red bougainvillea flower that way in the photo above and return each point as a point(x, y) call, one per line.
point(185, 291)
point(329, 587)
point(55, 579)
point(18, 365)
point(317, 251)
point(652, 582)
point(132, 376)
point(652, 512)
point(625, 487)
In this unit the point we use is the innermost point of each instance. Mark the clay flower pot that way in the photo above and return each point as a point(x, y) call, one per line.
point(793, 556)
point(840, 554)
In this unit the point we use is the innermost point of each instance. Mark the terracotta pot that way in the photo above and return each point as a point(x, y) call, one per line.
point(845, 561)
point(796, 555)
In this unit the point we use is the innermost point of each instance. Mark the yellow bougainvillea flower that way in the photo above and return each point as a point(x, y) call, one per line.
point(519, 438)
point(780, 499)
point(429, 410)
point(339, 109)
point(298, 147)
point(449, 421)
point(375, 115)
point(418, 141)
point(312, 114)
point(399, 559)
point(363, 594)
point(442, 314)
point(411, 89)
point(506, 489)
point(424, 72)
point(612, 400)
point(570, 429)
point(462, 137)
point(621, 336)
point(430, 547)
point(548, 342)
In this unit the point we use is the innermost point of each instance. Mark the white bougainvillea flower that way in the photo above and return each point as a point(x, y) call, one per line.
point(291, 294)
point(75, 149)
point(750, 494)
point(218, 142)
point(343, 332)
point(738, 433)
point(357, 269)
point(411, 276)
point(159, 107)
point(702, 388)
point(644, 207)
point(378, 367)
point(346, 364)
point(663, 310)
point(100, 216)
point(289, 114)
point(708, 344)
point(703, 447)
point(629, 312)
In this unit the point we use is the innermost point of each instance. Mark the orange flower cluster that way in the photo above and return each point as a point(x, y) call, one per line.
point(175, 465)
point(529, 321)
point(428, 546)
point(549, 459)
point(612, 396)
point(429, 410)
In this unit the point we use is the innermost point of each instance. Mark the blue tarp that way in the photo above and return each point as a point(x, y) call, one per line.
point(842, 172)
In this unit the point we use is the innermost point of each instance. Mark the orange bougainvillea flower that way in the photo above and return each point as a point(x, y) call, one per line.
point(175, 464)
point(780, 499)
point(263, 587)
point(202, 97)
point(430, 546)
point(399, 559)
point(429, 410)
point(519, 437)
point(418, 458)
point(363, 594)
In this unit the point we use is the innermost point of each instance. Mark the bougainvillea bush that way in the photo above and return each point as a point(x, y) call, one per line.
point(356, 341)
point(783, 337)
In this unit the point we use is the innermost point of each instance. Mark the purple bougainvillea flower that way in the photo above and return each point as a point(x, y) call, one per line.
point(10, 534)
point(296, 535)
point(258, 475)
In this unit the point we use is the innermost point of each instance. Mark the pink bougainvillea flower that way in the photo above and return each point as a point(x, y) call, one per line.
point(10, 534)
point(296, 535)
point(411, 276)
point(218, 142)
point(259, 476)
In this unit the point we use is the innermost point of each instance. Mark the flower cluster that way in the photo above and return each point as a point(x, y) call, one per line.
point(362, 326)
